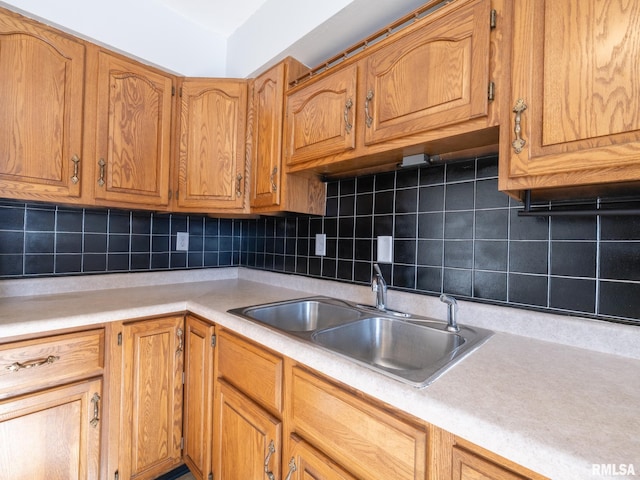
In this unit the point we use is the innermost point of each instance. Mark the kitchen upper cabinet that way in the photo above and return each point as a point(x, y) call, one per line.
point(433, 77)
point(133, 133)
point(572, 116)
point(199, 343)
point(151, 397)
point(424, 88)
point(41, 112)
point(321, 117)
point(272, 189)
point(51, 407)
point(212, 156)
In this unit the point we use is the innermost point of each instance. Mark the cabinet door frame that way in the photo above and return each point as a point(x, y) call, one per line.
point(88, 446)
point(163, 339)
point(336, 131)
point(145, 159)
point(463, 37)
point(595, 158)
point(308, 463)
point(268, 431)
point(66, 136)
point(212, 163)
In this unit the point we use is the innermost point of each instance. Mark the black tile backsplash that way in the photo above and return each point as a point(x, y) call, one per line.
point(454, 232)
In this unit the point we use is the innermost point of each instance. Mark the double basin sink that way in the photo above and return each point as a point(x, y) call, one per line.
point(413, 349)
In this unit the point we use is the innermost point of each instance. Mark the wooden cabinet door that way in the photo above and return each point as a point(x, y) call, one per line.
point(198, 396)
point(468, 466)
point(321, 119)
point(247, 442)
point(433, 77)
point(306, 463)
point(133, 133)
point(54, 433)
point(41, 99)
point(211, 164)
point(151, 413)
point(575, 65)
point(266, 133)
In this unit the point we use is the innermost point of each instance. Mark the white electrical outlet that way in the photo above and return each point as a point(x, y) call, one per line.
point(182, 241)
point(321, 244)
point(385, 249)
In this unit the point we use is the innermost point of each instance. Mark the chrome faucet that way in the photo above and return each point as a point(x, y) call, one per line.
point(452, 324)
point(379, 286)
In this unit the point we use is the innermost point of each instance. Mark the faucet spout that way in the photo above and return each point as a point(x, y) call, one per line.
point(379, 286)
point(452, 310)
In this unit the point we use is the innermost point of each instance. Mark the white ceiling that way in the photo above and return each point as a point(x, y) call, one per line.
point(220, 16)
point(219, 38)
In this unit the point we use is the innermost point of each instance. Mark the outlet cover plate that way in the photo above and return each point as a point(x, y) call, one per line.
point(182, 241)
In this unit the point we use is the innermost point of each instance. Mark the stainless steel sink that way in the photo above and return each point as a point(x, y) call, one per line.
point(408, 350)
point(304, 315)
point(413, 349)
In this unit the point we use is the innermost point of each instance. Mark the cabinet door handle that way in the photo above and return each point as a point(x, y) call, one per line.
point(95, 401)
point(14, 367)
point(347, 108)
point(272, 179)
point(101, 177)
point(519, 143)
point(292, 468)
point(367, 101)
point(76, 160)
point(271, 450)
point(180, 335)
point(239, 185)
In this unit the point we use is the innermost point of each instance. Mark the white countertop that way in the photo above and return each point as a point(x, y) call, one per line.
point(556, 394)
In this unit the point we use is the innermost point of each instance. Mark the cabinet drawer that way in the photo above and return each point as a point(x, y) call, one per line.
point(367, 441)
point(35, 364)
point(255, 371)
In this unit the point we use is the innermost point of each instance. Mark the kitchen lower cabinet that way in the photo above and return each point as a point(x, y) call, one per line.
point(469, 466)
point(51, 407)
point(571, 117)
point(371, 443)
point(41, 112)
point(151, 397)
point(199, 340)
point(247, 441)
point(52, 434)
point(306, 463)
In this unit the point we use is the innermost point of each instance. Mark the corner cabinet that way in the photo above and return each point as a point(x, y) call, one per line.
point(151, 397)
point(272, 189)
point(133, 133)
point(572, 115)
point(41, 112)
point(211, 170)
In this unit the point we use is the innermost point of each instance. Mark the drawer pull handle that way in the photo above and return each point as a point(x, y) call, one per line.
point(519, 143)
point(14, 367)
point(239, 185)
point(179, 333)
point(272, 450)
point(368, 117)
point(76, 160)
point(95, 401)
point(347, 108)
point(292, 468)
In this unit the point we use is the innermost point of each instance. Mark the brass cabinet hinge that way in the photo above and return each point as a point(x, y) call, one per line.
point(119, 338)
point(213, 340)
point(493, 18)
point(182, 443)
point(492, 91)
point(116, 476)
point(183, 378)
point(173, 91)
point(210, 477)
